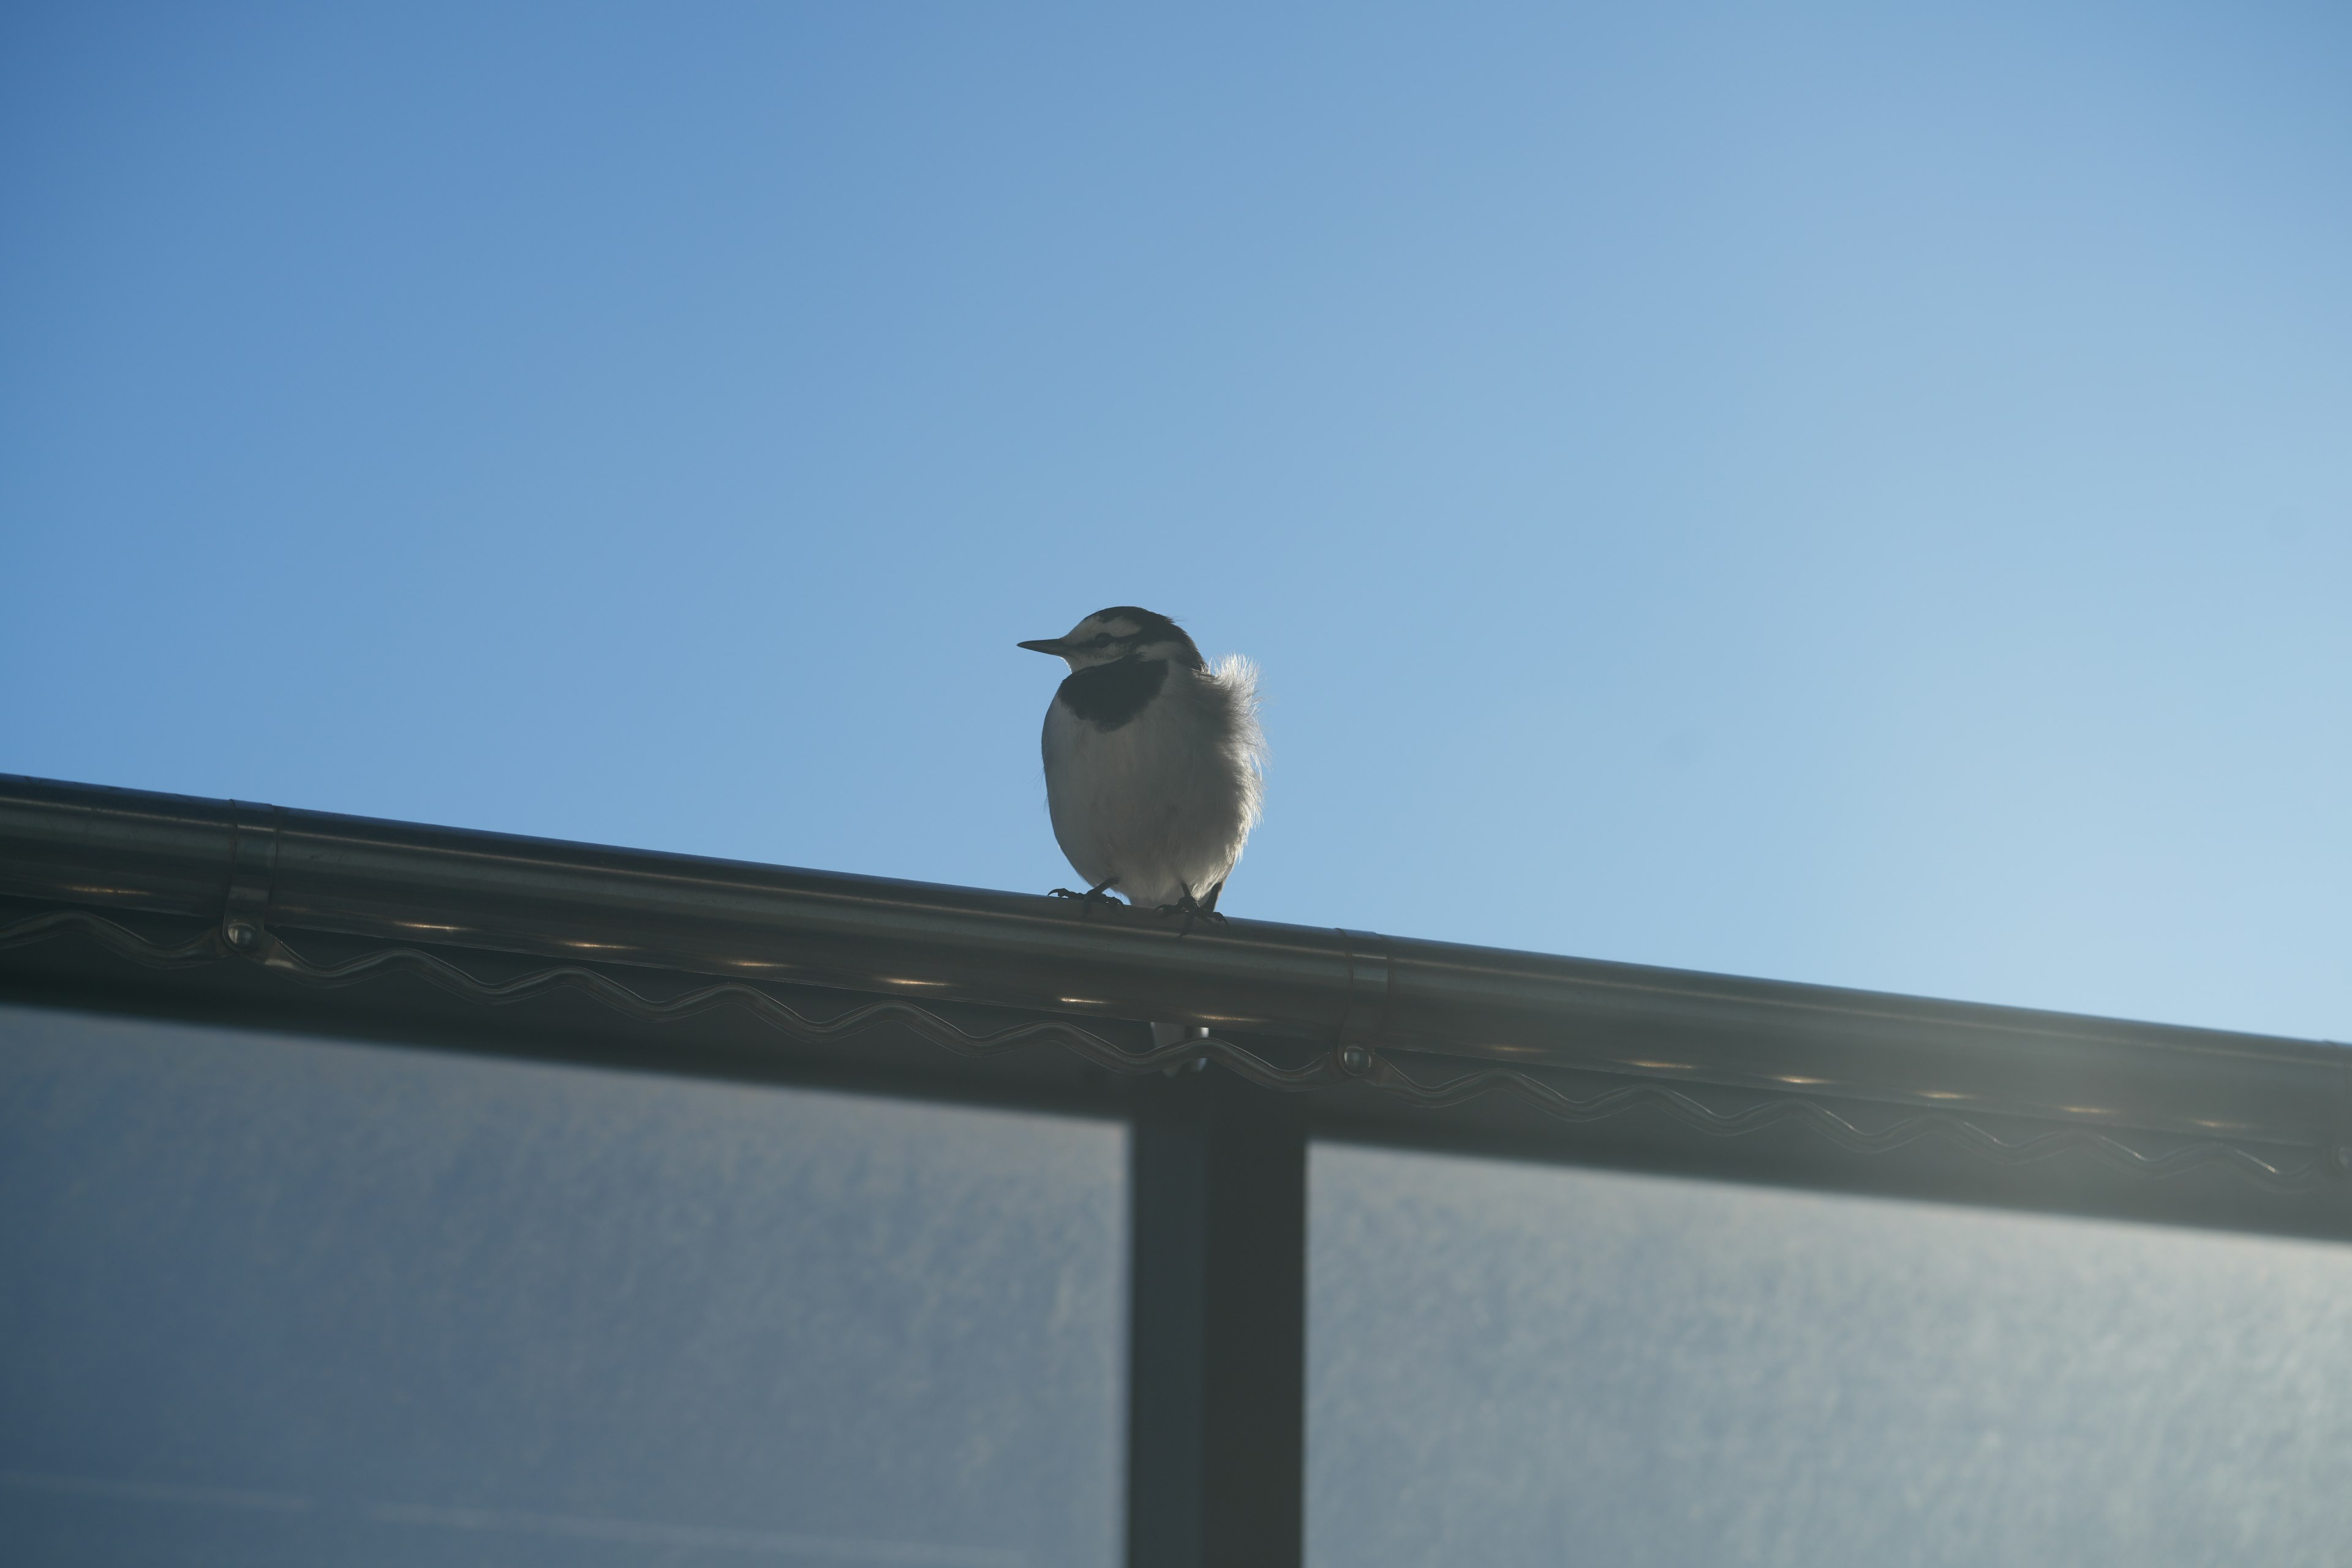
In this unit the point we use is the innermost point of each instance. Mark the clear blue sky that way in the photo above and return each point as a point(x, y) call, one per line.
point(1853, 494)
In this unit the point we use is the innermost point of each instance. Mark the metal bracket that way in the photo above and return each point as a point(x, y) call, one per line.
point(252, 874)
point(1367, 1016)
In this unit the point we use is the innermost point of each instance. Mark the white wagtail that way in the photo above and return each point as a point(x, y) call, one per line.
point(1153, 762)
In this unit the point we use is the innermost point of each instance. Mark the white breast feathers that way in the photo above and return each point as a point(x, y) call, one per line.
point(1159, 806)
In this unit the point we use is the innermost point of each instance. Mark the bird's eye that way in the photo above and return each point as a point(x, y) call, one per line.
point(1098, 640)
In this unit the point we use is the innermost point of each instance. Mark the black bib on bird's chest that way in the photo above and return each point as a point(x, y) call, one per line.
point(1108, 695)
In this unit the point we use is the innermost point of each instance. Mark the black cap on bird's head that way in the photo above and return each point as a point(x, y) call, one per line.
point(1122, 632)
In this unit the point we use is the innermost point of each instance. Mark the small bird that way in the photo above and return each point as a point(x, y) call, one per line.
point(1154, 764)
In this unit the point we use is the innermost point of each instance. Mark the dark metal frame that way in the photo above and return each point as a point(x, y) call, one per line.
point(449, 938)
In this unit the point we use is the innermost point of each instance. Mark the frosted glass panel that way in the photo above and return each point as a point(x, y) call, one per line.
point(268, 1301)
point(1513, 1364)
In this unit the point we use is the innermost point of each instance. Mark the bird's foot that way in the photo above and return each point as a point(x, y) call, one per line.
point(1092, 898)
point(1192, 910)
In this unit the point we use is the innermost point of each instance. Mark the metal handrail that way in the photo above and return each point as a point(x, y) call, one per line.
point(254, 867)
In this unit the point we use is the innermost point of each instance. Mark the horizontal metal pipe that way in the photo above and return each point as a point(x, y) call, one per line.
point(98, 847)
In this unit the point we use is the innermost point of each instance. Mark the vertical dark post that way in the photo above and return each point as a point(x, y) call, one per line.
point(1217, 1356)
point(1167, 1347)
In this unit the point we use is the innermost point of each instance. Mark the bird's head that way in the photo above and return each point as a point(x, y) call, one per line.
point(1122, 632)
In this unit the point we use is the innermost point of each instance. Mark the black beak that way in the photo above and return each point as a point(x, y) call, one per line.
point(1055, 646)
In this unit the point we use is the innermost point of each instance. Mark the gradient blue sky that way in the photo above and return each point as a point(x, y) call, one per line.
point(1853, 494)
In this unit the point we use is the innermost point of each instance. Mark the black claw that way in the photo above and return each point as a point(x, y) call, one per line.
point(1192, 909)
point(1091, 897)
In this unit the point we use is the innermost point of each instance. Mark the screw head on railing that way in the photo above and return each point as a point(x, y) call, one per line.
point(1355, 1060)
point(243, 935)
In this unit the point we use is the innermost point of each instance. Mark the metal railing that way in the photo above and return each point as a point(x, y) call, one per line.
point(449, 938)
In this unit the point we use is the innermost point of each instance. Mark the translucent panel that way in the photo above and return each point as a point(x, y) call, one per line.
point(1513, 1364)
point(267, 1301)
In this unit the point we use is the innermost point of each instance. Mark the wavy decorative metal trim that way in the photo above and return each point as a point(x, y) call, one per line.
point(1342, 1065)
point(276, 955)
